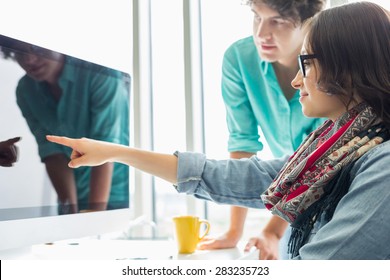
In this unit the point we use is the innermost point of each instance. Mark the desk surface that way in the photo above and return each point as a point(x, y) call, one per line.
point(128, 250)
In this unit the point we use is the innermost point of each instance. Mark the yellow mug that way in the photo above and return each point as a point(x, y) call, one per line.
point(188, 232)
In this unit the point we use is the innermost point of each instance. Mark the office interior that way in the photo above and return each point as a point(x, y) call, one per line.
point(173, 52)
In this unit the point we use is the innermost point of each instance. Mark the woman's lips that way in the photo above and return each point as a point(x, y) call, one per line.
point(302, 95)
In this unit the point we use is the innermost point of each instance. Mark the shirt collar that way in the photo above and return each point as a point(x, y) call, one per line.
point(265, 66)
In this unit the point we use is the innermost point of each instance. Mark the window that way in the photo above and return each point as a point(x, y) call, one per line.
point(177, 76)
point(384, 3)
point(223, 22)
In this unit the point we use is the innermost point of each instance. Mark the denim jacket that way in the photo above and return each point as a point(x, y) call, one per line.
point(360, 227)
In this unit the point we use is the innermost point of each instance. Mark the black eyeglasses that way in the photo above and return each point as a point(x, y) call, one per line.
point(301, 62)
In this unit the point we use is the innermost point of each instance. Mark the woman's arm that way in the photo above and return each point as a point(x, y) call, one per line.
point(233, 181)
point(88, 152)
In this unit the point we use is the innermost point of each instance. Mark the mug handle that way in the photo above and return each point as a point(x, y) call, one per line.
point(206, 230)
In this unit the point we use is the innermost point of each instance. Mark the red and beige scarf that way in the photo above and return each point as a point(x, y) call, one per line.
point(316, 176)
point(319, 159)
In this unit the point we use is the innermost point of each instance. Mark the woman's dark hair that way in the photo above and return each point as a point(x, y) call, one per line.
point(352, 46)
point(297, 10)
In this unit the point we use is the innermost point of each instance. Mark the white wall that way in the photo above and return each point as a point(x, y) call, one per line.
point(96, 30)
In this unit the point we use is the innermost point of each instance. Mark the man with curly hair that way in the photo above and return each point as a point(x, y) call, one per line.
point(257, 92)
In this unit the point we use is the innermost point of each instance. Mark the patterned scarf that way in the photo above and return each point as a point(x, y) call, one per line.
point(316, 176)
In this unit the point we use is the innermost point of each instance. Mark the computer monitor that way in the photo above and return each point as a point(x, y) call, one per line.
point(93, 101)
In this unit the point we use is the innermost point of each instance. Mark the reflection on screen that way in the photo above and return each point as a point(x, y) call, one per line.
point(45, 92)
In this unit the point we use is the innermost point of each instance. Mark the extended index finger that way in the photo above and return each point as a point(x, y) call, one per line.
point(12, 140)
point(66, 141)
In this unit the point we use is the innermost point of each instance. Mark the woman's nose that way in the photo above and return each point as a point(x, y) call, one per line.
point(297, 82)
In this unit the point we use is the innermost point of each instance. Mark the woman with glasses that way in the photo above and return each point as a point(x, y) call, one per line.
point(257, 93)
point(334, 188)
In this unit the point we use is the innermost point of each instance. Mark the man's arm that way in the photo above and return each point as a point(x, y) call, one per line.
point(62, 178)
point(100, 186)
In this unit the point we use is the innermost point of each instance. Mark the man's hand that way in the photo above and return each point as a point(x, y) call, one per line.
point(227, 240)
point(9, 152)
point(268, 245)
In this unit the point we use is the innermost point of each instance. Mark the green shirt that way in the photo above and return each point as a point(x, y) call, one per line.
point(254, 100)
point(94, 104)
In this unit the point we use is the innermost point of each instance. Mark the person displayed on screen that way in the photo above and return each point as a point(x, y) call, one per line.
point(333, 189)
point(63, 95)
point(9, 152)
point(257, 92)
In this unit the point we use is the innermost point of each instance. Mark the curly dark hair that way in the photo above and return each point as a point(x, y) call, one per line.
point(7, 47)
point(297, 10)
point(351, 64)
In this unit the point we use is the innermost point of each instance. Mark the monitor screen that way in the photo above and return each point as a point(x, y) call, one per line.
point(47, 92)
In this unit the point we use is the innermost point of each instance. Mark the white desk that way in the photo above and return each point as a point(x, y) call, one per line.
point(126, 250)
